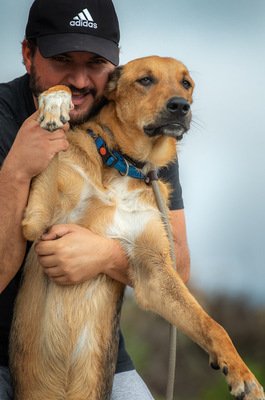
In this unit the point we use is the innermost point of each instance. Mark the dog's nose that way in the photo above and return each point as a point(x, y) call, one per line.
point(178, 106)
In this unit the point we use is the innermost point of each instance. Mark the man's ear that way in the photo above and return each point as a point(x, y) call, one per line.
point(113, 83)
point(27, 55)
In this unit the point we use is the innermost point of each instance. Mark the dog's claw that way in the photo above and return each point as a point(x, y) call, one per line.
point(241, 397)
point(63, 119)
point(51, 126)
point(214, 366)
point(225, 370)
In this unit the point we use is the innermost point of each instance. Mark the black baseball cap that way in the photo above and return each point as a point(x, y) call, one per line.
point(63, 26)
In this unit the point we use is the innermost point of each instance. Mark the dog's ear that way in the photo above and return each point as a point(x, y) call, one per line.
point(113, 82)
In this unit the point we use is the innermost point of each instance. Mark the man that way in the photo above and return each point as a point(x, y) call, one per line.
point(75, 44)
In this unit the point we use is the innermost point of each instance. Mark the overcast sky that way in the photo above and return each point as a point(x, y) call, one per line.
point(222, 158)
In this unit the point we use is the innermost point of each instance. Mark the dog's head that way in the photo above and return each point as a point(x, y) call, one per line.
point(152, 98)
point(157, 92)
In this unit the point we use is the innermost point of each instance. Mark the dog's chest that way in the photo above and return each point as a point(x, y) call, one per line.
point(119, 212)
point(131, 214)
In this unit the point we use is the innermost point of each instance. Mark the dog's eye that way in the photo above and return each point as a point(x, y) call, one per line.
point(146, 81)
point(186, 84)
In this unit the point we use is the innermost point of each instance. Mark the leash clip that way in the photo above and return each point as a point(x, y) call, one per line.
point(151, 176)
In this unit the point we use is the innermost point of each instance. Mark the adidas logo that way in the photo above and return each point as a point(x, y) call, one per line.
point(84, 19)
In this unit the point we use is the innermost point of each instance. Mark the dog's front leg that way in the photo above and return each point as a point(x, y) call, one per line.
point(40, 210)
point(54, 108)
point(160, 288)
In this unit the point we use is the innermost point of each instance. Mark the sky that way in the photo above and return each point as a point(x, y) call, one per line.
point(222, 161)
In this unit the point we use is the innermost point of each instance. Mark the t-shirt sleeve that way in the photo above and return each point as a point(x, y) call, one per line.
point(171, 174)
point(8, 130)
point(16, 105)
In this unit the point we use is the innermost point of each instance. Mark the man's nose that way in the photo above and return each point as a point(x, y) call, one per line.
point(80, 78)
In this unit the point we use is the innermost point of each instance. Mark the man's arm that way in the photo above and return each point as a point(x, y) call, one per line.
point(13, 199)
point(181, 248)
point(31, 152)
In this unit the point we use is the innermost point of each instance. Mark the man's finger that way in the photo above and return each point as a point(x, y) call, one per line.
point(56, 232)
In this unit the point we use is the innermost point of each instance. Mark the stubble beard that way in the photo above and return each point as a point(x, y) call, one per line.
point(37, 88)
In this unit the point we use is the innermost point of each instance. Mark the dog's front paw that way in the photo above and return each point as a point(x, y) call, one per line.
point(248, 389)
point(242, 383)
point(54, 107)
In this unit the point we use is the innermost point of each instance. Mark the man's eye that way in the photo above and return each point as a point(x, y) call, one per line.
point(146, 81)
point(60, 59)
point(187, 85)
point(98, 61)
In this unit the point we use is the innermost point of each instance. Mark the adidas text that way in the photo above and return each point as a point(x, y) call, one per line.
point(86, 24)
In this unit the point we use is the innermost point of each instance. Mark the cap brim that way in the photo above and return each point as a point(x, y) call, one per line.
point(52, 45)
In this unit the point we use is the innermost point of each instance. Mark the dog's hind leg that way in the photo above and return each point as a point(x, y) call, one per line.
point(158, 287)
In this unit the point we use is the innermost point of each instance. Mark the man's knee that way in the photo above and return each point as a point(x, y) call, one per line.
point(130, 386)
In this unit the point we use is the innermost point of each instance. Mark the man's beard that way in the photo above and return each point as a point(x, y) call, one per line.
point(37, 89)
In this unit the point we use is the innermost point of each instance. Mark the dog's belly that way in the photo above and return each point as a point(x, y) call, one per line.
point(72, 320)
point(67, 335)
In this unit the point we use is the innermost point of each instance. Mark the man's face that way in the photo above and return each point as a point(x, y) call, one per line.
point(86, 74)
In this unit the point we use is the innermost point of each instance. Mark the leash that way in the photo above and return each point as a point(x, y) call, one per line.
point(128, 167)
point(152, 175)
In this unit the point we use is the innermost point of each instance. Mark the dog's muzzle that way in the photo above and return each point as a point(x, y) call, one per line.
point(173, 121)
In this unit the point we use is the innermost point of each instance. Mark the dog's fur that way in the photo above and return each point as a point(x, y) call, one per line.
point(64, 339)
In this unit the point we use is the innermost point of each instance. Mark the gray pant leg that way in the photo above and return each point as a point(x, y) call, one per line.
point(6, 390)
point(130, 386)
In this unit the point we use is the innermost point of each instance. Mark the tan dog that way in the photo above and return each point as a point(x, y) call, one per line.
point(64, 339)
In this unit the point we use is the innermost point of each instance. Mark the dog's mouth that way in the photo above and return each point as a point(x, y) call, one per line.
point(175, 130)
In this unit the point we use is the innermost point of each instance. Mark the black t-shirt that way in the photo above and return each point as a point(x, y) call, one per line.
point(16, 105)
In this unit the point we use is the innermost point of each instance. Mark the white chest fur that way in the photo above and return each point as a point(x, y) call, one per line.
point(131, 215)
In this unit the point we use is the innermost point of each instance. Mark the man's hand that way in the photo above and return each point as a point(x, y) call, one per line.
point(70, 254)
point(34, 148)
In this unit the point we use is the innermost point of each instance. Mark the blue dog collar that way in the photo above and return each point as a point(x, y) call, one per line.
point(114, 159)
